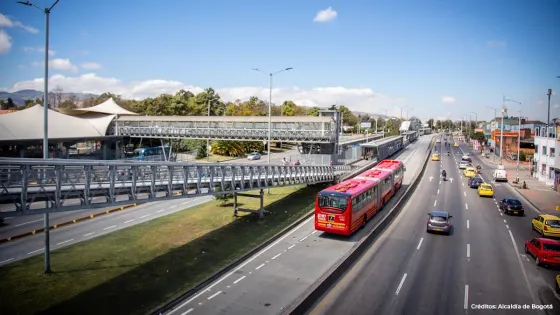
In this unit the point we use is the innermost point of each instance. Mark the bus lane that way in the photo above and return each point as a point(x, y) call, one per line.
point(273, 279)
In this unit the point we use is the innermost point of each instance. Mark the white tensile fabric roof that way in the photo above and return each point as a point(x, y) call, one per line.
point(107, 107)
point(27, 124)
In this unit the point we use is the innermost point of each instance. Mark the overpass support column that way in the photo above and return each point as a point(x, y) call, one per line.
point(104, 149)
point(260, 211)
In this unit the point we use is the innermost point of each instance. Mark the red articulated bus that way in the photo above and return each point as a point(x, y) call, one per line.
point(347, 206)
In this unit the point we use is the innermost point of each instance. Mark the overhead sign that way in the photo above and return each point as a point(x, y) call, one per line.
point(365, 125)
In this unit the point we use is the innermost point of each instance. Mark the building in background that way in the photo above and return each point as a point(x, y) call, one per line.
point(544, 160)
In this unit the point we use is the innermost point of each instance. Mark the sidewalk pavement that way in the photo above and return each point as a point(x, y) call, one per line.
point(540, 196)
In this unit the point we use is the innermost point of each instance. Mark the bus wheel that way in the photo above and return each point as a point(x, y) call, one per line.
point(364, 221)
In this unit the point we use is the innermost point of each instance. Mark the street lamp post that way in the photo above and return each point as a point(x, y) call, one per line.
point(504, 110)
point(271, 75)
point(47, 12)
point(475, 118)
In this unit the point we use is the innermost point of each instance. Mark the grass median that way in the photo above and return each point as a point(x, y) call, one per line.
point(136, 269)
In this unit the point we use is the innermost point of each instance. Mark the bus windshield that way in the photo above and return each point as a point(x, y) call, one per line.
point(333, 202)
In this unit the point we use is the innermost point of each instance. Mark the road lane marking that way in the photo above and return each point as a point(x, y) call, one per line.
point(35, 251)
point(240, 266)
point(440, 182)
point(291, 246)
point(466, 304)
point(465, 193)
point(188, 311)
point(435, 203)
point(466, 206)
point(236, 281)
point(505, 221)
point(70, 240)
point(522, 267)
point(88, 234)
point(5, 261)
point(173, 207)
point(468, 250)
point(214, 295)
point(507, 226)
point(184, 203)
point(125, 222)
point(110, 227)
point(259, 267)
point(303, 239)
point(29, 222)
point(501, 214)
point(276, 256)
point(468, 226)
point(420, 244)
point(463, 184)
point(400, 284)
point(144, 216)
point(313, 232)
point(160, 211)
point(438, 191)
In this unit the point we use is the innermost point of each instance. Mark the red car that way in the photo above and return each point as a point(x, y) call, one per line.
point(545, 251)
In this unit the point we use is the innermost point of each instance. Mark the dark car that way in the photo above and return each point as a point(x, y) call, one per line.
point(439, 221)
point(474, 182)
point(512, 206)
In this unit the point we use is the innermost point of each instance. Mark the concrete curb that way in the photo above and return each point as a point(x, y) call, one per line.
point(177, 300)
point(59, 225)
point(335, 273)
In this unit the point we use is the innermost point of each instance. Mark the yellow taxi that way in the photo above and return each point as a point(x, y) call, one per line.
point(547, 225)
point(470, 172)
point(435, 157)
point(485, 190)
point(456, 144)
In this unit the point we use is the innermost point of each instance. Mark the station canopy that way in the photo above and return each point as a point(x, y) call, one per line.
point(27, 125)
point(109, 107)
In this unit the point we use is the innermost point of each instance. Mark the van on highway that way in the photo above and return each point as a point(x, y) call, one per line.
point(500, 174)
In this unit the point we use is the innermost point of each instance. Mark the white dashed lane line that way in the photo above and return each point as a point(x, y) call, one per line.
point(88, 234)
point(5, 261)
point(420, 244)
point(70, 240)
point(35, 251)
point(215, 294)
point(468, 225)
point(276, 256)
point(465, 193)
point(188, 311)
point(468, 250)
point(400, 285)
point(435, 203)
point(125, 222)
point(291, 246)
point(159, 211)
point(236, 281)
point(466, 206)
point(303, 239)
point(259, 266)
point(109, 227)
point(466, 304)
point(145, 216)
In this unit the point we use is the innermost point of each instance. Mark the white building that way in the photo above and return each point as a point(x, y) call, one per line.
point(545, 157)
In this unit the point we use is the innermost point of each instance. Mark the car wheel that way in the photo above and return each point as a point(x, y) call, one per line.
point(526, 250)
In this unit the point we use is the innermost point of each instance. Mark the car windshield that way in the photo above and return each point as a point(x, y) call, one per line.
point(552, 247)
point(553, 223)
point(437, 218)
point(514, 202)
point(486, 187)
point(332, 201)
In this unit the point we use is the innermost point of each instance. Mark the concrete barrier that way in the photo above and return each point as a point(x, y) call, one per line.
point(335, 273)
point(59, 225)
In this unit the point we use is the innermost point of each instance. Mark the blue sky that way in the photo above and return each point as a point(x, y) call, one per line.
point(373, 55)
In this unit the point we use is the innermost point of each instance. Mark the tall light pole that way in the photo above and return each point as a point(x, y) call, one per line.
point(495, 122)
point(475, 118)
point(271, 75)
point(47, 12)
point(518, 145)
point(504, 110)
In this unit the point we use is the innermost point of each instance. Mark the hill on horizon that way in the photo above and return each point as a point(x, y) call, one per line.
point(20, 97)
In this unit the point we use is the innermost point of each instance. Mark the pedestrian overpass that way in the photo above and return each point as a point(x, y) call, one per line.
point(36, 186)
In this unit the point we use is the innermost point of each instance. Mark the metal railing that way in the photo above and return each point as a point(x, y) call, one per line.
point(40, 186)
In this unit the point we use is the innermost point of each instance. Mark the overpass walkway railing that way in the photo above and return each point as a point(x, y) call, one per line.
point(32, 186)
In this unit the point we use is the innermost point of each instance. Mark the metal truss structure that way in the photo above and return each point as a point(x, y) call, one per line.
point(44, 186)
point(247, 128)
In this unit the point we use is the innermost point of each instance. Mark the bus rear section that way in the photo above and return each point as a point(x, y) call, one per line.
point(332, 212)
point(396, 168)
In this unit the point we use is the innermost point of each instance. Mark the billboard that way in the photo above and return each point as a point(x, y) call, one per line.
point(365, 125)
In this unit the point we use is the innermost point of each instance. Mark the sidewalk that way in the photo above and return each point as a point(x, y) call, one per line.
point(542, 197)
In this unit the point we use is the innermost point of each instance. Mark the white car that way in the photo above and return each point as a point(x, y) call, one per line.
point(254, 156)
point(463, 165)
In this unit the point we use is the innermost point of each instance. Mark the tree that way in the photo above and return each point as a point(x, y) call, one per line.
point(313, 111)
point(431, 123)
point(10, 103)
point(67, 104)
point(348, 117)
point(478, 136)
point(222, 198)
point(55, 97)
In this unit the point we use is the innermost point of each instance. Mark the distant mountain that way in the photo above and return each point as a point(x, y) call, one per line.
point(19, 97)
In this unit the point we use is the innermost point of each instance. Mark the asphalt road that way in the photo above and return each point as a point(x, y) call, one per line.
point(273, 278)
point(75, 233)
point(408, 271)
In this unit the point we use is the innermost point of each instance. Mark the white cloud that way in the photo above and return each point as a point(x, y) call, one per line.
point(448, 99)
point(5, 42)
point(7, 22)
point(358, 99)
point(58, 64)
point(38, 49)
point(496, 43)
point(556, 105)
point(90, 65)
point(325, 15)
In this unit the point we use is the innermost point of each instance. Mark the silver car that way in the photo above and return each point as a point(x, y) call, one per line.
point(254, 156)
point(439, 221)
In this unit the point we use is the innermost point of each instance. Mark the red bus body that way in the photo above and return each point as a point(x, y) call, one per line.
point(347, 206)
